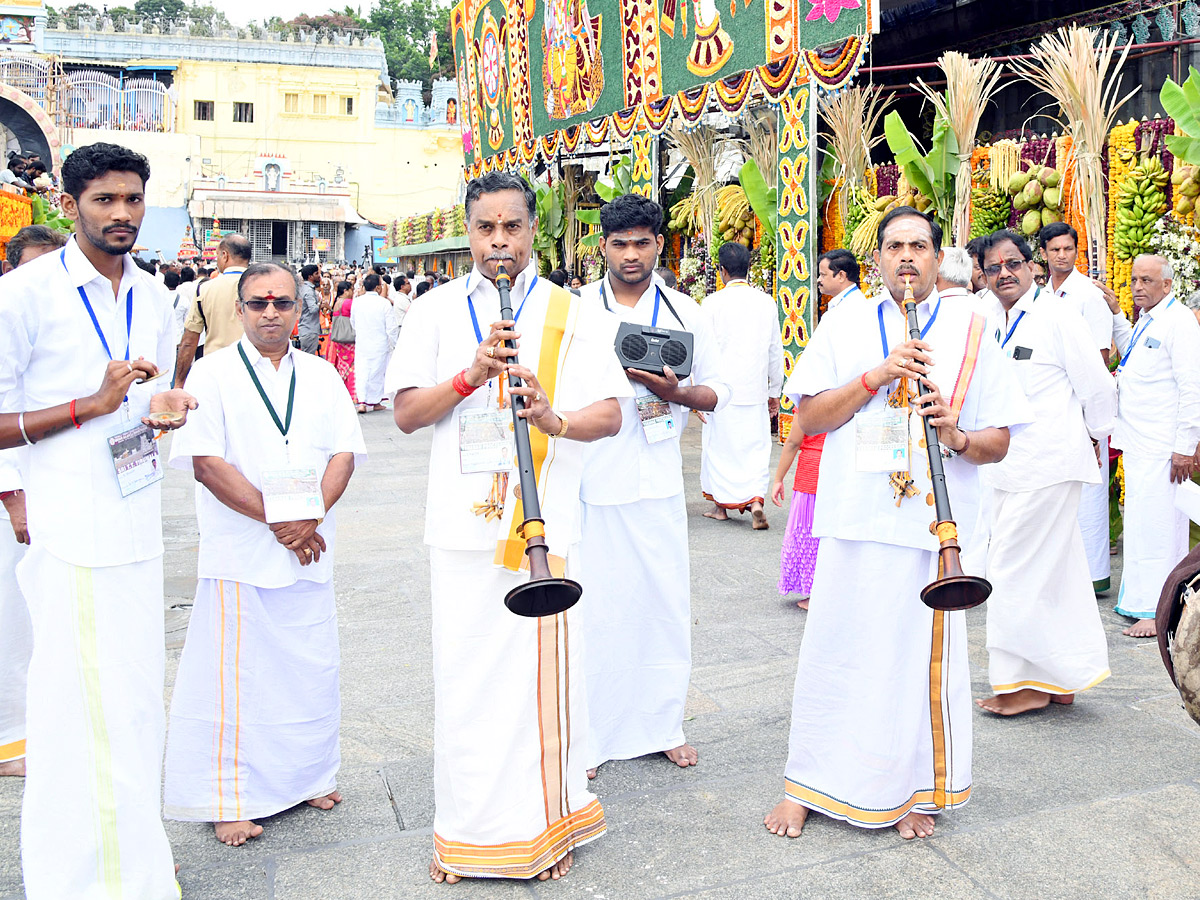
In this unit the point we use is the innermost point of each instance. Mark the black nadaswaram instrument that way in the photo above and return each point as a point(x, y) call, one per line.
point(954, 589)
point(543, 594)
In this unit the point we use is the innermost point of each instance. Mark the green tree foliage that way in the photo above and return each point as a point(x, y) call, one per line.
point(160, 12)
point(404, 26)
point(70, 15)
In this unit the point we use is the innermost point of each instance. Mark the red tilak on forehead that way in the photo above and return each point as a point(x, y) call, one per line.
point(269, 296)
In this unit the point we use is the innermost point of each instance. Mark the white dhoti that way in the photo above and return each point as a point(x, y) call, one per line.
point(91, 823)
point(256, 710)
point(636, 617)
point(736, 462)
point(1043, 627)
point(1094, 526)
point(510, 721)
point(881, 717)
point(16, 644)
point(370, 366)
point(1155, 533)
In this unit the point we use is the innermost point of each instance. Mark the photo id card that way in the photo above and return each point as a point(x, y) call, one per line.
point(135, 457)
point(292, 494)
point(485, 441)
point(658, 422)
point(881, 440)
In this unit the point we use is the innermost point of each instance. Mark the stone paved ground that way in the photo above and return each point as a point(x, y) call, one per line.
point(1098, 800)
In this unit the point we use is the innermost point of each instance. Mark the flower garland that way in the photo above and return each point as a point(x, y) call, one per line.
point(1121, 149)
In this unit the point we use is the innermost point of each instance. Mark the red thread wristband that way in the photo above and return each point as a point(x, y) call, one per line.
point(461, 386)
point(863, 379)
point(75, 421)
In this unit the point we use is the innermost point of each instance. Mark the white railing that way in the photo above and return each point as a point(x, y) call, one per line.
point(98, 100)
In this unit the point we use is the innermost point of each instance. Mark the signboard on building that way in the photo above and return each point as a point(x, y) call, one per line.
point(378, 243)
point(321, 244)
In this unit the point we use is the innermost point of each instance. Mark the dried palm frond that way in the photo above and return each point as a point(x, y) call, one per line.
point(699, 147)
point(852, 117)
point(970, 86)
point(1082, 71)
point(762, 123)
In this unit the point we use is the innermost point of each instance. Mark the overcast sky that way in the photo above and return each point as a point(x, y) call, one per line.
point(240, 11)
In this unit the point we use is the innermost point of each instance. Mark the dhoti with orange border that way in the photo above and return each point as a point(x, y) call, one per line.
point(881, 717)
point(510, 787)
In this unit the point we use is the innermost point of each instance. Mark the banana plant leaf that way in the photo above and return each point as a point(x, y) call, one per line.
point(933, 174)
point(1182, 103)
point(763, 200)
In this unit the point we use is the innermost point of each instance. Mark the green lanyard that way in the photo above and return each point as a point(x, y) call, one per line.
point(287, 423)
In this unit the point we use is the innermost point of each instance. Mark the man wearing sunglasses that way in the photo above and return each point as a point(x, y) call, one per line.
point(274, 451)
point(1044, 636)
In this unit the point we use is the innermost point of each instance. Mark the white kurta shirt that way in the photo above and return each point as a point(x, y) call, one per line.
point(439, 340)
point(232, 423)
point(745, 322)
point(371, 316)
point(1159, 381)
point(861, 506)
point(841, 295)
point(51, 354)
point(1088, 300)
point(1049, 348)
point(627, 467)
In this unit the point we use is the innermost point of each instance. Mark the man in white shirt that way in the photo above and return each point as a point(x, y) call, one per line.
point(837, 276)
point(1158, 431)
point(16, 636)
point(954, 279)
point(372, 318)
point(881, 715)
point(264, 624)
point(1045, 639)
point(84, 316)
point(510, 721)
point(1060, 245)
point(634, 555)
point(735, 469)
point(978, 281)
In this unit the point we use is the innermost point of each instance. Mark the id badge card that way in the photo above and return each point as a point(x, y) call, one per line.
point(135, 457)
point(658, 422)
point(292, 494)
point(881, 440)
point(485, 441)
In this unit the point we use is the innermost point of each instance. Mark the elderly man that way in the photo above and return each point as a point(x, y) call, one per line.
point(1158, 430)
point(954, 279)
point(72, 321)
point(16, 637)
point(637, 621)
point(273, 443)
point(214, 312)
point(881, 716)
point(1060, 245)
point(838, 276)
point(735, 469)
point(510, 789)
point(1044, 636)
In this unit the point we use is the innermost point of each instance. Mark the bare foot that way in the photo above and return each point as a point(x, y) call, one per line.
point(377, 407)
point(683, 756)
point(234, 834)
point(438, 875)
point(1141, 628)
point(326, 802)
point(915, 825)
point(1064, 699)
point(14, 767)
point(559, 869)
point(592, 773)
point(802, 604)
point(717, 513)
point(1015, 703)
point(786, 819)
point(759, 522)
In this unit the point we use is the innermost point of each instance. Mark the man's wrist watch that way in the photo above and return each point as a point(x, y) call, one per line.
point(562, 432)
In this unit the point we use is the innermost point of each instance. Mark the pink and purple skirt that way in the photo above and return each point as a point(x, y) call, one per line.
point(799, 556)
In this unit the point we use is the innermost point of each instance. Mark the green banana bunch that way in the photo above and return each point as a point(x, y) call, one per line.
point(1141, 201)
point(989, 211)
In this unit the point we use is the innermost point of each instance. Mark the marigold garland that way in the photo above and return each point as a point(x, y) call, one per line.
point(1120, 152)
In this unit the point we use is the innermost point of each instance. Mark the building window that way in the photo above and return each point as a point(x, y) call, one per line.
point(243, 112)
point(348, 106)
point(203, 111)
point(319, 107)
point(291, 103)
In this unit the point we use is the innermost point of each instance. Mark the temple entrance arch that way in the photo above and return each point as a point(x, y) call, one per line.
point(28, 122)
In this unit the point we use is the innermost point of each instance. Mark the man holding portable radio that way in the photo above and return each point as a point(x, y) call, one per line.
point(637, 618)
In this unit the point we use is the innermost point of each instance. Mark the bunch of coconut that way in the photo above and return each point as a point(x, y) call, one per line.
point(1186, 180)
point(1037, 197)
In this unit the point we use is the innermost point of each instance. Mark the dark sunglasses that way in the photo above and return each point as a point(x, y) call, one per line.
point(261, 305)
point(1013, 265)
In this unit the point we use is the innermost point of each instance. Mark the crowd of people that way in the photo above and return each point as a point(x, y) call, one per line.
point(98, 357)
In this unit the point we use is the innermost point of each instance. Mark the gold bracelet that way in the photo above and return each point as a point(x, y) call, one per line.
point(562, 432)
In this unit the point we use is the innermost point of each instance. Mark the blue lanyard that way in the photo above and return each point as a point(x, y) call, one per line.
point(924, 331)
point(658, 296)
point(517, 317)
point(96, 322)
point(1147, 320)
point(1008, 337)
